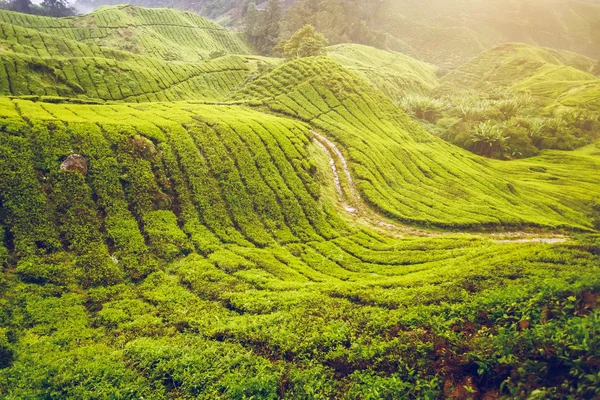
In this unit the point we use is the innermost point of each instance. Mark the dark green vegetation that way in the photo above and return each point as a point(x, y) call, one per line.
point(169, 228)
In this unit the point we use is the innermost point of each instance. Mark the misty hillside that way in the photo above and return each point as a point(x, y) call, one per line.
point(445, 33)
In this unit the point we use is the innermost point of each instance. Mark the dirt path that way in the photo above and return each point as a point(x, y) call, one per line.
point(354, 205)
point(351, 200)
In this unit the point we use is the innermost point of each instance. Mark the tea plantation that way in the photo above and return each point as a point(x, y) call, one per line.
point(182, 219)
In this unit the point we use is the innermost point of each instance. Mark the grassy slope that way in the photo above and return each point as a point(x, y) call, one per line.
point(392, 73)
point(162, 33)
point(43, 60)
point(196, 251)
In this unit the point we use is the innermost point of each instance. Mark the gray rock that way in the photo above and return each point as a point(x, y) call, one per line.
point(76, 163)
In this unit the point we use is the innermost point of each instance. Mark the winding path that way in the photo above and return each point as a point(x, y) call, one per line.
point(352, 202)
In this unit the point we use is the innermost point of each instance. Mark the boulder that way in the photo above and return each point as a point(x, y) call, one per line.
point(76, 163)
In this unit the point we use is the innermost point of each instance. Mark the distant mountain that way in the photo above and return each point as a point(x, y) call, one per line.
point(449, 32)
point(214, 9)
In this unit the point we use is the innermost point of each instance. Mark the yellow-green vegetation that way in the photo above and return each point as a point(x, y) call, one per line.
point(177, 229)
point(402, 170)
point(394, 74)
point(162, 33)
point(120, 53)
point(542, 72)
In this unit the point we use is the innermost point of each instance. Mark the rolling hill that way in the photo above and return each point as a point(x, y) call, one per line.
point(449, 33)
point(182, 219)
point(443, 33)
point(161, 33)
point(394, 74)
point(556, 77)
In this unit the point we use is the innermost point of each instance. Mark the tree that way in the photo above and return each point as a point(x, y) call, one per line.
point(22, 6)
point(57, 8)
point(508, 108)
point(306, 42)
point(262, 27)
point(488, 140)
point(272, 21)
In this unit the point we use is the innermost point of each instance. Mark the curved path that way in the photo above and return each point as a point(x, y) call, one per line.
point(351, 201)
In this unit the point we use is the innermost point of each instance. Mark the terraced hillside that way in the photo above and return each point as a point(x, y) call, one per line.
point(161, 33)
point(394, 74)
point(195, 246)
point(244, 227)
point(75, 57)
point(399, 168)
point(549, 74)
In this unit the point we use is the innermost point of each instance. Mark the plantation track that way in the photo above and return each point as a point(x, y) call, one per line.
point(353, 204)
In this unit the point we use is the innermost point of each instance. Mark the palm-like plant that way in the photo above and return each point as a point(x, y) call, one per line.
point(424, 108)
point(537, 132)
point(488, 139)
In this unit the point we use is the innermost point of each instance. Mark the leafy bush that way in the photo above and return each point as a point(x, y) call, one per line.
point(165, 236)
point(306, 42)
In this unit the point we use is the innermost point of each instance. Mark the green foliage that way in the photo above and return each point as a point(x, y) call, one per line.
point(262, 27)
point(306, 42)
point(503, 124)
point(204, 369)
point(158, 33)
point(483, 310)
point(395, 74)
point(57, 8)
point(202, 254)
point(381, 146)
point(487, 139)
point(166, 238)
point(347, 21)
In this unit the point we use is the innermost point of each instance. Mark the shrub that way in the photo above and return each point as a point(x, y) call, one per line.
point(488, 139)
point(97, 268)
point(167, 240)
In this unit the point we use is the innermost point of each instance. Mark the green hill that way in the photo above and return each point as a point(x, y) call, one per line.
point(407, 173)
point(392, 73)
point(88, 57)
point(443, 33)
point(197, 233)
point(181, 219)
point(509, 64)
point(160, 33)
point(449, 33)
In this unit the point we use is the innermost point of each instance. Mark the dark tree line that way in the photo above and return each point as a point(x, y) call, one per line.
point(50, 8)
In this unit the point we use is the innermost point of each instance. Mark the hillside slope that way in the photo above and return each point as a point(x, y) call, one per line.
point(177, 229)
point(399, 168)
point(554, 76)
point(449, 33)
point(394, 74)
point(112, 54)
point(160, 33)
